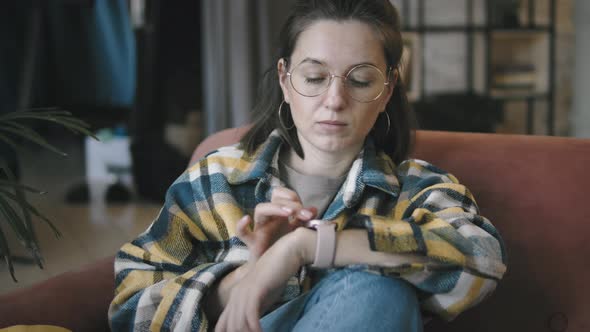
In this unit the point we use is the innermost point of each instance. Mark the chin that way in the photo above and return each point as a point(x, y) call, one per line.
point(332, 143)
point(335, 145)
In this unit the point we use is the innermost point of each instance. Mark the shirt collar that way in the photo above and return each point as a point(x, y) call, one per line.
point(259, 163)
point(371, 168)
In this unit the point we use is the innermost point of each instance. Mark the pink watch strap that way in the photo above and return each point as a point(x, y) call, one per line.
point(326, 245)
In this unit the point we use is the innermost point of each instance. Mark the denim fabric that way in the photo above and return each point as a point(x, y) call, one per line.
point(350, 299)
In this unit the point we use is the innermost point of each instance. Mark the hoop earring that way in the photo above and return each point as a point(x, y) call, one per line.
point(281, 118)
point(388, 123)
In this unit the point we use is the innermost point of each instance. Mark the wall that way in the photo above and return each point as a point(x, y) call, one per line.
point(580, 119)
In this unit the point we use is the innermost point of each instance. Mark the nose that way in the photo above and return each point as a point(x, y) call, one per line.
point(336, 96)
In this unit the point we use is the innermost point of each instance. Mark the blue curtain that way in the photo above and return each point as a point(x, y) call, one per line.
point(94, 53)
point(86, 54)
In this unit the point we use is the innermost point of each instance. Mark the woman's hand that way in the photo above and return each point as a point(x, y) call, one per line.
point(262, 286)
point(272, 220)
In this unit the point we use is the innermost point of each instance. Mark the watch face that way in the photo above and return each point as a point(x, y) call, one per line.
point(313, 224)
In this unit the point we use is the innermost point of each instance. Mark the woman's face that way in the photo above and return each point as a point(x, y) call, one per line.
point(333, 121)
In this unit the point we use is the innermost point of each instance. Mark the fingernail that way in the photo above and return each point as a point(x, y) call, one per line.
point(306, 213)
point(287, 209)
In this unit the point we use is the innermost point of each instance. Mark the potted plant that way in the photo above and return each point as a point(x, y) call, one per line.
point(16, 213)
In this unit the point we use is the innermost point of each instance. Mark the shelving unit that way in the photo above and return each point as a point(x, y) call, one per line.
point(530, 42)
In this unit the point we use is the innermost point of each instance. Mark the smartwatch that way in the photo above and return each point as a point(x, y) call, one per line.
point(326, 243)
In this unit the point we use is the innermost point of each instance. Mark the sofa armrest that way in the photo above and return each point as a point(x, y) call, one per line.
point(77, 300)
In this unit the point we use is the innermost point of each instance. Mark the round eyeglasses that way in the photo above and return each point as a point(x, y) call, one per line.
point(364, 83)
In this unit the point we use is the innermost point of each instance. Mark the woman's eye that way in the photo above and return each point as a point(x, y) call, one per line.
point(355, 83)
point(314, 80)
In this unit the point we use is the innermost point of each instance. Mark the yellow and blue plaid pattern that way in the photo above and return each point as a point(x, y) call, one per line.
point(163, 275)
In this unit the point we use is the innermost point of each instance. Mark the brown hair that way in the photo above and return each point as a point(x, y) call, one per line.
point(384, 18)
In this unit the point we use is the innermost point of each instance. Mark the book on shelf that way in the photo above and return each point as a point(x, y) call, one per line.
point(513, 67)
point(516, 78)
point(515, 93)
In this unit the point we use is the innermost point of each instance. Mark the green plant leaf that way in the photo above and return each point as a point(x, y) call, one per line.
point(14, 206)
point(22, 234)
point(7, 255)
point(13, 219)
point(27, 236)
point(31, 209)
point(62, 118)
point(11, 184)
point(32, 243)
point(8, 141)
point(32, 136)
point(77, 127)
point(39, 114)
point(22, 226)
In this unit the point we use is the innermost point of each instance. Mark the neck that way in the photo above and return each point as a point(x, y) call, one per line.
point(332, 165)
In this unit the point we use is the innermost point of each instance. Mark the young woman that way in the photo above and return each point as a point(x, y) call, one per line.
point(317, 220)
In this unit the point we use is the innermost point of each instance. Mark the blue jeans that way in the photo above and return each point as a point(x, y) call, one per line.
point(350, 300)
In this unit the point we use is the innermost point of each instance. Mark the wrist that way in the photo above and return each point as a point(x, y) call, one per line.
point(304, 244)
point(242, 270)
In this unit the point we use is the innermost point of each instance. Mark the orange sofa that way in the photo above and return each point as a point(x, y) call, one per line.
point(531, 188)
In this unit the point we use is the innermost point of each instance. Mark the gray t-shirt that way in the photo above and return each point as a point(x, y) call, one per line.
point(313, 190)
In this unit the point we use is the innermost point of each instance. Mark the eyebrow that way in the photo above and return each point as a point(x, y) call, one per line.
point(317, 61)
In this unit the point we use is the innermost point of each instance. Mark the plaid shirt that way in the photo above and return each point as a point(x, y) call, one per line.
point(163, 275)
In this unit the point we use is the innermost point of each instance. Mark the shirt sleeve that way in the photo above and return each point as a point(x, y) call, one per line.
point(437, 217)
point(162, 276)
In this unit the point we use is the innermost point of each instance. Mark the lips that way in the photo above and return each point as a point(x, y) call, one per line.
point(333, 123)
point(331, 127)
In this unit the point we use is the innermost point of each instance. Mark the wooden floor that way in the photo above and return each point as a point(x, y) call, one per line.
point(89, 231)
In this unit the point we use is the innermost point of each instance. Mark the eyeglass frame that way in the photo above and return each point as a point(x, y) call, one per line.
point(345, 78)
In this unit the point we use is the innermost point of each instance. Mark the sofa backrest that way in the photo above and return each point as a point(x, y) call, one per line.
point(532, 188)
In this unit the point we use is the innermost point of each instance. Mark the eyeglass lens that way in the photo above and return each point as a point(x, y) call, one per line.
point(364, 83)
